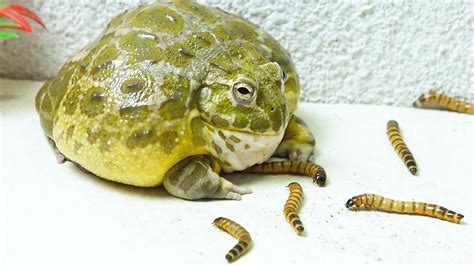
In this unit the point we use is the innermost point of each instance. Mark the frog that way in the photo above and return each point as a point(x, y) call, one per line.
point(176, 94)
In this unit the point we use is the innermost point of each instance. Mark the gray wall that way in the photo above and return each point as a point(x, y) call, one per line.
point(375, 52)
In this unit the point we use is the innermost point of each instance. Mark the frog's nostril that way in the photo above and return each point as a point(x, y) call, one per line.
point(272, 109)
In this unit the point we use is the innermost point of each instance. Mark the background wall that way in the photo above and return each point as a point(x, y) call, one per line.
point(374, 52)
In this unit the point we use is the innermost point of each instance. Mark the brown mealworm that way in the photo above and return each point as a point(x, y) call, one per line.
point(404, 207)
point(291, 167)
point(436, 99)
point(293, 203)
point(237, 231)
point(393, 133)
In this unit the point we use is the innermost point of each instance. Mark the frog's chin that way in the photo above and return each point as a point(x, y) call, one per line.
point(238, 150)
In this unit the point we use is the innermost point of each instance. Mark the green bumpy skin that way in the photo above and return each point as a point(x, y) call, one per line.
point(156, 87)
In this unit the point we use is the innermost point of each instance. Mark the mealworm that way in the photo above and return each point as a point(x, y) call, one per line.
point(237, 231)
point(404, 207)
point(436, 99)
point(393, 133)
point(291, 167)
point(292, 205)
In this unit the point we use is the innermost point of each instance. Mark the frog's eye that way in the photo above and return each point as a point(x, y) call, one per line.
point(243, 92)
point(284, 75)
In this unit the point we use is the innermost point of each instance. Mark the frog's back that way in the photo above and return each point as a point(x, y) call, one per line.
point(124, 107)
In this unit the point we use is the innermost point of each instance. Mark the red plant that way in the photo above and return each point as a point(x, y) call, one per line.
point(17, 13)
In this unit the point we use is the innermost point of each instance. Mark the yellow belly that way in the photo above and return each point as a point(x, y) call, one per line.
point(109, 157)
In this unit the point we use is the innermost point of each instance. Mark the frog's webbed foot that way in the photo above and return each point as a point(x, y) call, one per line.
point(193, 178)
point(298, 142)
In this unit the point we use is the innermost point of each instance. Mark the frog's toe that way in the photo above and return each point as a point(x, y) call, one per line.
point(299, 155)
point(295, 151)
point(293, 155)
point(60, 158)
point(233, 196)
point(242, 190)
point(231, 191)
point(304, 156)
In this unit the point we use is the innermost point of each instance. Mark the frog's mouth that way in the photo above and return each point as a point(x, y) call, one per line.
point(243, 130)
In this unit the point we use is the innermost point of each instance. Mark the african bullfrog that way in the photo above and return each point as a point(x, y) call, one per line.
point(173, 93)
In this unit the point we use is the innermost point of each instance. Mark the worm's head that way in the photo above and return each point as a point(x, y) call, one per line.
point(321, 180)
point(320, 177)
point(350, 203)
point(354, 201)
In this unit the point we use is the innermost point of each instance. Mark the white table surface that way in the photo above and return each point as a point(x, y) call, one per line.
point(54, 213)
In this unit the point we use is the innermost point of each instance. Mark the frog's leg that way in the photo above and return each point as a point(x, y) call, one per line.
point(298, 142)
point(193, 178)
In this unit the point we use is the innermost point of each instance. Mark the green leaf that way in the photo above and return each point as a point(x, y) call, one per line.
point(8, 25)
point(8, 35)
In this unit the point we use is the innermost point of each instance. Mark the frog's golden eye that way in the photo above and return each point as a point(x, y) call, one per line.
point(243, 93)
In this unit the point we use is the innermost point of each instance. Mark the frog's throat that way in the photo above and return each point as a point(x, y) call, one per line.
point(238, 150)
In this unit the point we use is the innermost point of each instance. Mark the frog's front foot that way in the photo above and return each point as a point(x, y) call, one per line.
point(298, 142)
point(193, 178)
point(295, 151)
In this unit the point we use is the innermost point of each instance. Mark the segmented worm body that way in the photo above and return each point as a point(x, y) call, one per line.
point(293, 203)
point(405, 207)
point(237, 231)
point(291, 167)
point(436, 99)
point(393, 133)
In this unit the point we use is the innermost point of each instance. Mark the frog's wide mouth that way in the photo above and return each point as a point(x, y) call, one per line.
point(244, 131)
